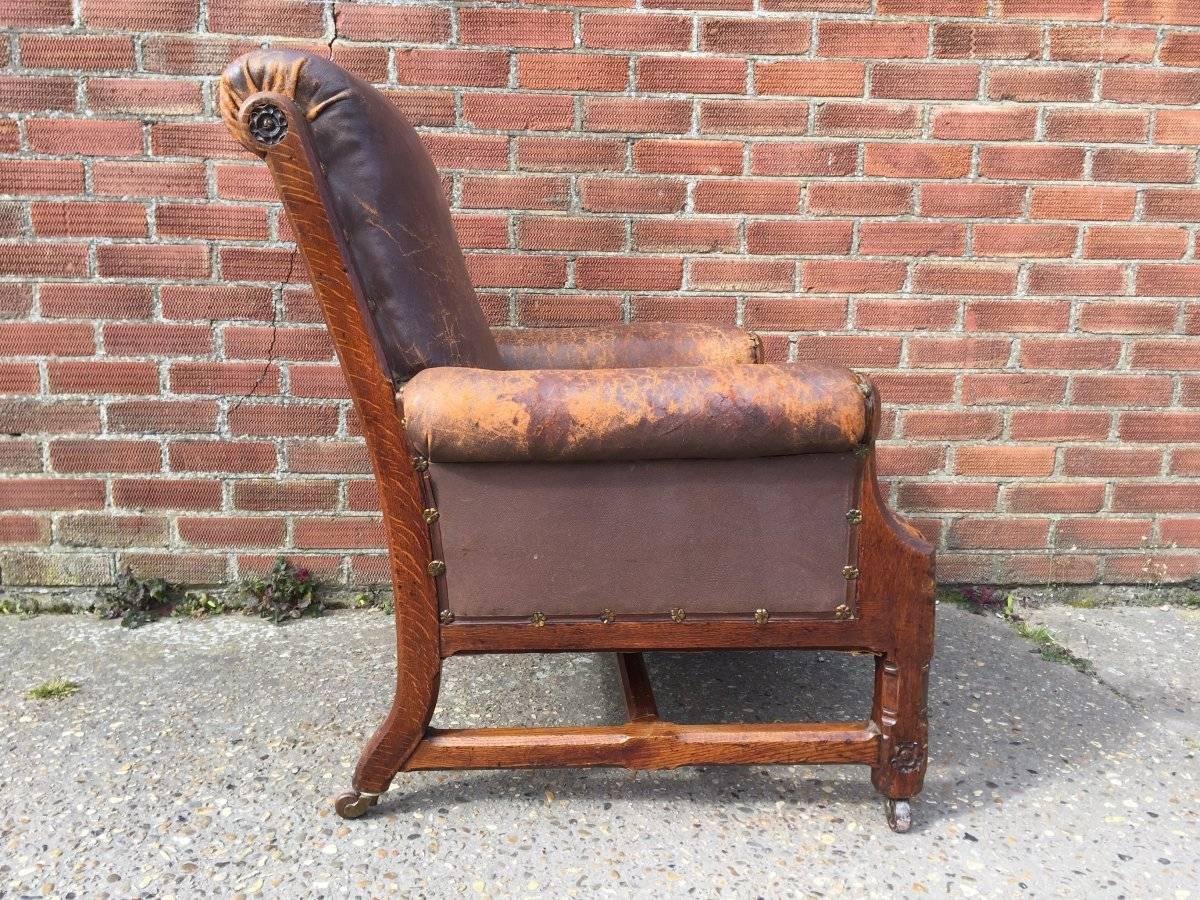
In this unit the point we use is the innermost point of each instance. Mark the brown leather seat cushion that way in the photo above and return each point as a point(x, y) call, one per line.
point(627, 346)
point(687, 412)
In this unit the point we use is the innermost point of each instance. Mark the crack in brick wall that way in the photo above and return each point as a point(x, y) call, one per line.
point(988, 205)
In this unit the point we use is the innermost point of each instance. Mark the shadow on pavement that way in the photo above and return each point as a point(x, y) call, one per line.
point(1002, 721)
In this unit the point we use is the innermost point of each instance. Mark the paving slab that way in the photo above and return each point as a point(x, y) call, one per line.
point(200, 758)
point(1149, 654)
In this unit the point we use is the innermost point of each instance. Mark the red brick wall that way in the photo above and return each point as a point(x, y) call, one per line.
point(987, 205)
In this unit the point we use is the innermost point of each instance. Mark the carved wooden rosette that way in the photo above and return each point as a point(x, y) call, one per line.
point(269, 123)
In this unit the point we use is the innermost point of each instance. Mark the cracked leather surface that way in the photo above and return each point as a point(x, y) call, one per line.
point(388, 202)
point(684, 412)
point(627, 346)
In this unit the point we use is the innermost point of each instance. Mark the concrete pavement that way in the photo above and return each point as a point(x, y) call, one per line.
point(200, 759)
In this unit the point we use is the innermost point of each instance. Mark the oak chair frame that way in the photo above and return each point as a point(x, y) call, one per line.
point(891, 616)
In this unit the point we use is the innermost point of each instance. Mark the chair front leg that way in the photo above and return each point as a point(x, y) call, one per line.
point(901, 713)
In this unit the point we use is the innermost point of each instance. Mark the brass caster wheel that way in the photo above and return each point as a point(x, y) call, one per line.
point(899, 815)
point(352, 804)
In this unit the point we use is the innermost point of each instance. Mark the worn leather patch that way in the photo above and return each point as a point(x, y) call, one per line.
point(684, 412)
point(643, 344)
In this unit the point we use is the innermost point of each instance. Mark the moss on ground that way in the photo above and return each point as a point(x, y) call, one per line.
point(54, 689)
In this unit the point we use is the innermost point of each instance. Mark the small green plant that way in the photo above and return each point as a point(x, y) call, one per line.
point(54, 689)
point(198, 604)
point(1050, 649)
point(19, 606)
point(973, 598)
point(137, 601)
point(286, 593)
point(381, 600)
point(1047, 646)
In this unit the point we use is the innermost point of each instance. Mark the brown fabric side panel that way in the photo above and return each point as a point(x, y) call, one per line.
point(690, 412)
point(626, 346)
point(713, 537)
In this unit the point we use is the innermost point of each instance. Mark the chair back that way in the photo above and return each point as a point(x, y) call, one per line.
point(389, 206)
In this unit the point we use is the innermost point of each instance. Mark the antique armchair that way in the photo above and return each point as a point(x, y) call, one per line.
point(621, 489)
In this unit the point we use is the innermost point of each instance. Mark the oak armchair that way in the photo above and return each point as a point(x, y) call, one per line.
point(621, 489)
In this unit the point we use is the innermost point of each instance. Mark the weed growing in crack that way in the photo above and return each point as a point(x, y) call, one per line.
point(380, 599)
point(17, 606)
point(1047, 645)
point(198, 604)
point(137, 601)
point(285, 593)
point(973, 598)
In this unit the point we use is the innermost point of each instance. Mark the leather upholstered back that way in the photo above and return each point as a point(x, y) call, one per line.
point(390, 207)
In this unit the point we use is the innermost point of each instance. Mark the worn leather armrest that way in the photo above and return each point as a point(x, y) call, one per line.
point(688, 412)
point(627, 346)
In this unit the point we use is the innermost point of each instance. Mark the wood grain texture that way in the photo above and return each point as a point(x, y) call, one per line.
point(647, 745)
point(897, 577)
point(797, 632)
point(296, 170)
point(635, 684)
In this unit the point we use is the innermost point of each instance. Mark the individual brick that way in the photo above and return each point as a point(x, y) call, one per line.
point(1040, 84)
point(36, 13)
point(872, 40)
point(145, 96)
point(627, 31)
point(394, 24)
point(1102, 44)
point(80, 52)
point(294, 18)
point(572, 71)
point(690, 74)
point(628, 194)
point(637, 114)
point(573, 309)
point(27, 93)
point(810, 78)
point(766, 37)
point(233, 531)
point(105, 456)
point(986, 40)
point(162, 417)
point(687, 157)
point(754, 117)
point(490, 27)
point(102, 377)
point(923, 81)
point(984, 122)
point(221, 456)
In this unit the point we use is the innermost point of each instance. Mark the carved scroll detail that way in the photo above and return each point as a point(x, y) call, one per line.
point(267, 125)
